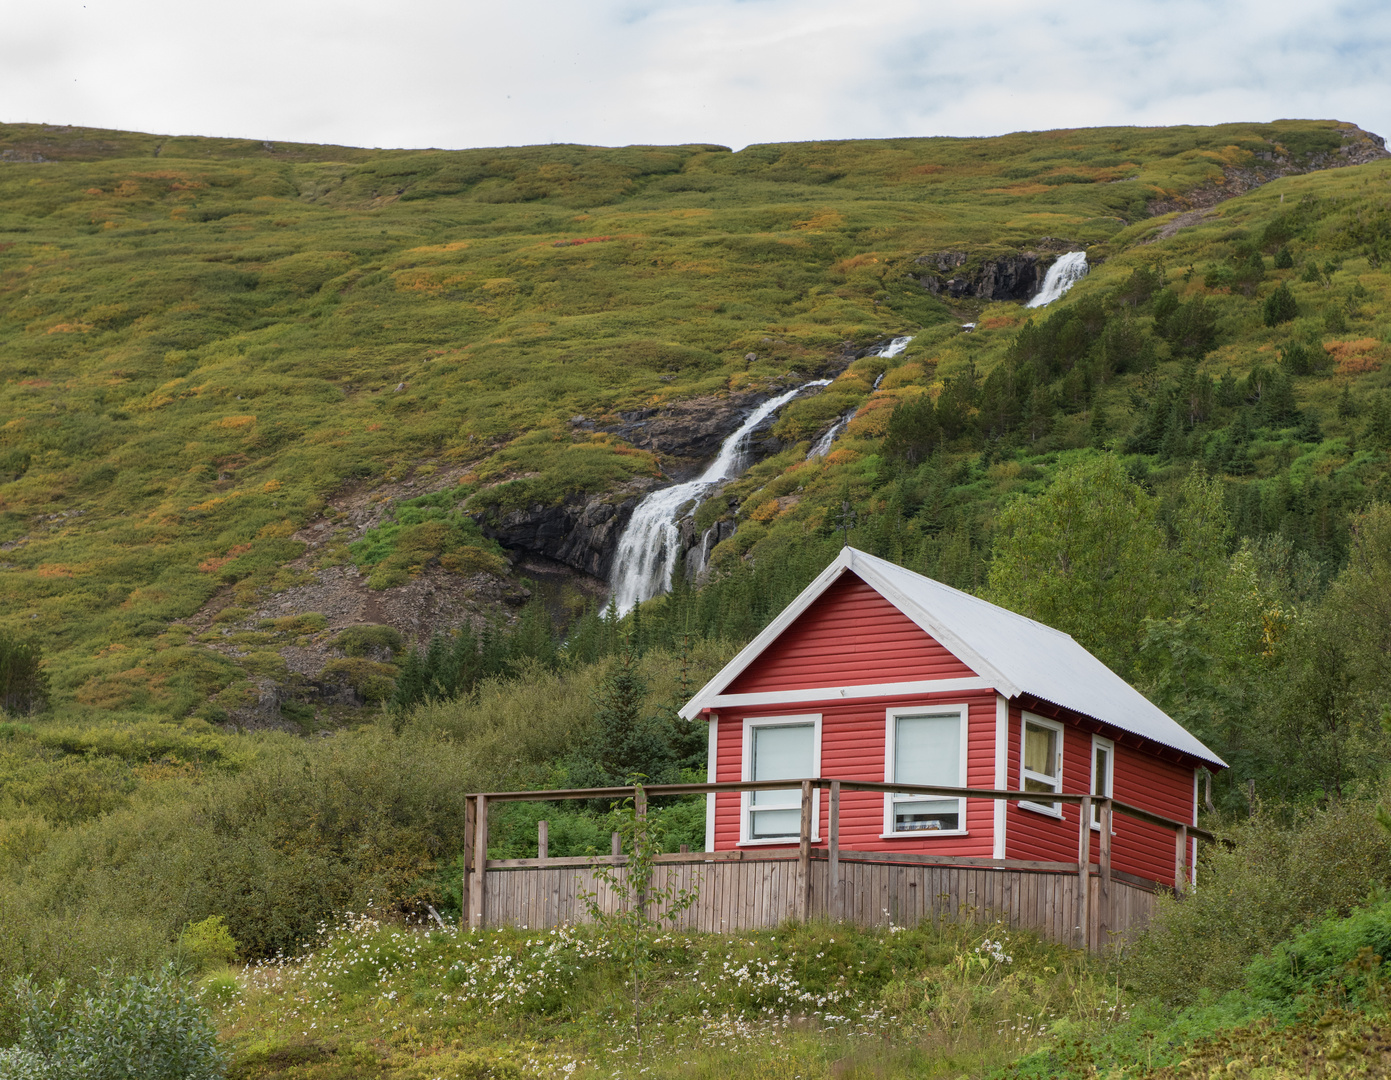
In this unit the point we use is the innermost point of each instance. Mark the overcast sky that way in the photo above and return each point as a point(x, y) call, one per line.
point(508, 72)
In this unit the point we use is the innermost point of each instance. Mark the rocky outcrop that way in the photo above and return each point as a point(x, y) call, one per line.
point(686, 435)
point(1358, 147)
point(581, 532)
point(1007, 277)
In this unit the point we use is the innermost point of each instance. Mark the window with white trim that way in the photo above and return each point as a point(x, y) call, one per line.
point(1103, 769)
point(927, 747)
point(779, 748)
point(1041, 761)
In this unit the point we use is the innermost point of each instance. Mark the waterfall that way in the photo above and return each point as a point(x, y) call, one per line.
point(1062, 275)
point(649, 545)
point(893, 348)
point(707, 539)
point(823, 444)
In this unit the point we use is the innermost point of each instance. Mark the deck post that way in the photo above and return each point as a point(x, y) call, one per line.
point(615, 844)
point(543, 840)
point(470, 824)
point(837, 893)
point(477, 907)
point(1103, 921)
point(803, 899)
point(639, 839)
point(1084, 867)
point(1180, 859)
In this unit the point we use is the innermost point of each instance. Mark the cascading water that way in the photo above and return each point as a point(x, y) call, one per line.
point(1062, 275)
point(823, 444)
point(648, 547)
point(893, 348)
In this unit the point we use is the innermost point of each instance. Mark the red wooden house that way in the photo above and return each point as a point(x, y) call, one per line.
point(877, 673)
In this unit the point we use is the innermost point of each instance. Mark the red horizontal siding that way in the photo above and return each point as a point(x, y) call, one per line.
point(852, 748)
point(849, 636)
point(1161, 787)
point(1141, 779)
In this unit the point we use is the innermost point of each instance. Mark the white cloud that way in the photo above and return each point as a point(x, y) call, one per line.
point(427, 72)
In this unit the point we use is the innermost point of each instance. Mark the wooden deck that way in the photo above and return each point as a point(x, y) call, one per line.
point(762, 888)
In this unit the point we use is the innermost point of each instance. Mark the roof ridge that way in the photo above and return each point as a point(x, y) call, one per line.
point(963, 593)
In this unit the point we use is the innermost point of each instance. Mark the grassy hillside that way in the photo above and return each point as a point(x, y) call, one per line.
point(256, 399)
point(205, 342)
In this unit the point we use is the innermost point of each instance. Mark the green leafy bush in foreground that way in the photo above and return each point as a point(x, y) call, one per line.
point(1343, 956)
point(136, 1028)
point(1270, 879)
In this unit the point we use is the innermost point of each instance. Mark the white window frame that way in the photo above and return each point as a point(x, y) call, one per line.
point(1051, 809)
point(1109, 745)
point(746, 769)
point(890, 736)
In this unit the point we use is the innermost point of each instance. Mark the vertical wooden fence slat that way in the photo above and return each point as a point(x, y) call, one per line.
point(543, 840)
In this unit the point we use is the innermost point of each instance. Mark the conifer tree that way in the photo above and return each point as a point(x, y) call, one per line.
point(23, 681)
point(625, 741)
point(1280, 306)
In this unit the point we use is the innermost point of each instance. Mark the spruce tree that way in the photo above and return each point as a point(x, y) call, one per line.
point(625, 741)
point(1280, 306)
point(23, 681)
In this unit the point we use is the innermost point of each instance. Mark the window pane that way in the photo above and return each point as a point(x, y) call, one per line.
point(771, 823)
point(1040, 750)
point(782, 752)
point(1038, 785)
point(926, 817)
point(1099, 779)
point(927, 750)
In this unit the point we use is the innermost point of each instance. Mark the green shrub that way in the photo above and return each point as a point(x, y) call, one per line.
point(386, 577)
point(309, 623)
point(208, 943)
point(472, 560)
point(1284, 260)
point(371, 681)
point(1266, 879)
point(1344, 953)
point(363, 641)
point(136, 1028)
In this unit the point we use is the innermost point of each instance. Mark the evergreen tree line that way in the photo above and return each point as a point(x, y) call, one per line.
point(1054, 365)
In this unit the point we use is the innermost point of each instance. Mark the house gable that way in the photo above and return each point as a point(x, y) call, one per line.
point(850, 635)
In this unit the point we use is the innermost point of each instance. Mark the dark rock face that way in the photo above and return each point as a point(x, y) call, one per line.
point(686, 435)
point(581, 532)
point(1010, 277)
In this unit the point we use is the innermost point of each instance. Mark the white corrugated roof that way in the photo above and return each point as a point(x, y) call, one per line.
point(1016, 655)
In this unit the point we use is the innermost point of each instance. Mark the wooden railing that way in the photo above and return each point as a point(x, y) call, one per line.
point(476, 862)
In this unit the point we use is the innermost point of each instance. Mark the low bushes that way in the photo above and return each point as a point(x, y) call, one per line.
point(146, 1027)
point(1267, 879)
